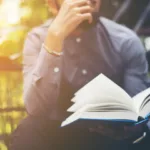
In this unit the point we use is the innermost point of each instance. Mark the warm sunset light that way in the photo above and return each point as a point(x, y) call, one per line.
point(102, 80)
point(9, 12)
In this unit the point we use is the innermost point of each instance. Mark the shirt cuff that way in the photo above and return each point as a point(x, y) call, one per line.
point(46, 63)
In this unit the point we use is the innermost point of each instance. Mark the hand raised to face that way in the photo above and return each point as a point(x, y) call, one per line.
point(71, 14)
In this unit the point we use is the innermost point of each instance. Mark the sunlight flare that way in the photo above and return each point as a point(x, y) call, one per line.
point(10, 12)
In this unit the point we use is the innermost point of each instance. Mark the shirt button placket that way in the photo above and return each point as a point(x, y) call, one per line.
point(84, 72)
point(78, 40)
point(56, 69)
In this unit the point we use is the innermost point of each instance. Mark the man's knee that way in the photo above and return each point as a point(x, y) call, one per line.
point(28, 135)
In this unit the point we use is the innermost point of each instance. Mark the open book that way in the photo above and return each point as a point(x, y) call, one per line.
point(103, 100)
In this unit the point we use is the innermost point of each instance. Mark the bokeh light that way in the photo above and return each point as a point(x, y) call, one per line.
point(9, 12)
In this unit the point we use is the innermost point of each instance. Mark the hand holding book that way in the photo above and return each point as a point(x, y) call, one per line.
point(103, 100)
point(121, 131)
point(106, 107)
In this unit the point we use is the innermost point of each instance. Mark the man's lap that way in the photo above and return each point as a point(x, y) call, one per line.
point(41, 134)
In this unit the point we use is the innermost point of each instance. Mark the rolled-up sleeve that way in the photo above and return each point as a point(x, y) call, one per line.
point(136, 66)
point(42, 73)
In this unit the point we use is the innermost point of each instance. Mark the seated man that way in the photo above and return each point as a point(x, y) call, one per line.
point(63, 55)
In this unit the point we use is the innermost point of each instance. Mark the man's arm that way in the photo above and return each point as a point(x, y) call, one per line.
point(41, 76)
point(136, 66)
point(41, 69)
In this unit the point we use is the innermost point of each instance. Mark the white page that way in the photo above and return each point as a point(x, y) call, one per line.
point(99, 87)
point(101, 99)
point(145, 111)
point(81, 113)
point(127, 115)
point(138, 99)
point(75, 116)
point(111, 107)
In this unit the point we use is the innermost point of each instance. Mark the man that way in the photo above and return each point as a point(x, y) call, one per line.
point(63, 55)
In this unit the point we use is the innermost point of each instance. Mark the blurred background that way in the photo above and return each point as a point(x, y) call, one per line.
point(17, 17)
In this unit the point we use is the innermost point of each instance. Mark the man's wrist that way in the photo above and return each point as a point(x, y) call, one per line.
point(53, 52)
point(53, 42)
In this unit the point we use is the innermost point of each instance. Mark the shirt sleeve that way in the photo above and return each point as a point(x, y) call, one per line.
point(136, 66)
point(42, 73)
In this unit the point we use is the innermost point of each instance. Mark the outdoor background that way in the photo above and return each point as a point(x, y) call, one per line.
point(17, 17)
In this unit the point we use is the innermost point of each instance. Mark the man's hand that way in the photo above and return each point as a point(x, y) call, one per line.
point(120, 132)
point(71, 14)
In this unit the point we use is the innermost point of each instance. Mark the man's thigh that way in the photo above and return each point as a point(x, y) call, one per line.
point(40, 134)
point(33, 133)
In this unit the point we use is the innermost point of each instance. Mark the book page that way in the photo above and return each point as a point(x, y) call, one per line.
point(83, 114)
point(75, 116)
point(101, 89)
point(113, 116)
point(111, 107)
point(145, 111)
point(139, 98)
point(102, 100)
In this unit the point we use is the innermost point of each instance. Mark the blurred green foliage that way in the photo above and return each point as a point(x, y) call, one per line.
point(34, 13)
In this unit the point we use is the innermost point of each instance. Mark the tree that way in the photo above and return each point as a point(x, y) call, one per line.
point(32, 13)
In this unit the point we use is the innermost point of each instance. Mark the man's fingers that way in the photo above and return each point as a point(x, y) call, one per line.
point(86, 16)
point(85, 9)
point(79, 18)
point(79, 3)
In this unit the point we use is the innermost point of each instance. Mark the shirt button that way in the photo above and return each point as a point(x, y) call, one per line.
point(78, 40)
point(84, 71)
point(56, 69)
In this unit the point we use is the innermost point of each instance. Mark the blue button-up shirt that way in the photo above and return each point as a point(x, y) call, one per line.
point(50, 81)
